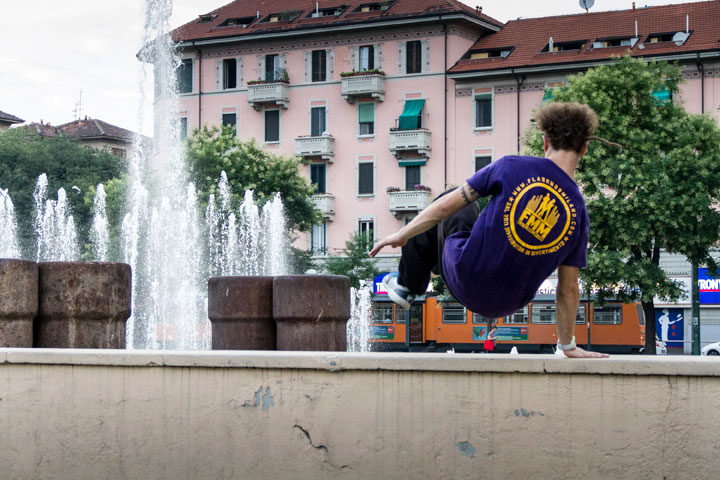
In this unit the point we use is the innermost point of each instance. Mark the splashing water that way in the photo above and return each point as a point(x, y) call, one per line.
point(54, 226)
point(100, 230)
point(358, 328)
point(8, 227)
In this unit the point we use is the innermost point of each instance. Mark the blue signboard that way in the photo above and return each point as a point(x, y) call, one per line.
point(709, 287)
point(378, 288)
point(670, 326)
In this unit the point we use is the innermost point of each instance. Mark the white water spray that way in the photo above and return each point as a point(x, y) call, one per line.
point(8, 227)
point(100, 234)
point(358, 328)
point(54, 226)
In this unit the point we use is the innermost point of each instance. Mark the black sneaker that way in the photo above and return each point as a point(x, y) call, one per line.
point(397, 293)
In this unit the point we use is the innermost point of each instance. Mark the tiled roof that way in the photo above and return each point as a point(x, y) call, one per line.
point(42, 129)
point(530, 36)
point(91, 128)
point(7, 118)
point(248, 9)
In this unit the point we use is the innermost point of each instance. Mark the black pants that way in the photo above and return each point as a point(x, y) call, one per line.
point(422, 254)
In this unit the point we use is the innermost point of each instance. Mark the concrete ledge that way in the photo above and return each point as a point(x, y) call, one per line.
point(342, 361)
point(67, 414)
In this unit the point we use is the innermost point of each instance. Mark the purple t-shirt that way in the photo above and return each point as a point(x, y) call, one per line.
point(536, 220)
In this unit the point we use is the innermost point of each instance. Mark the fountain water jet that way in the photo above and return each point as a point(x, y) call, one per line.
point(9, 247)
point(358, 328)
point(100, 232)
point(54, 226)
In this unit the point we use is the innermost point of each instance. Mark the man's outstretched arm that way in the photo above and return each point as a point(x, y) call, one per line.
point(568, 300)
point(437, 211)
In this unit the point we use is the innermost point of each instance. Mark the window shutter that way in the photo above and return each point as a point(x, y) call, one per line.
point(261, 67)
point(308, 66)
point(218, 74)
point(365, 178)
point(330, 55)
point(401, 58)
point(283, 61)
point(425, 56)
point(240, 73)
point(366, 112)
point(354, 59)
point(378, 56)
point(272, 125)
point(317, 121)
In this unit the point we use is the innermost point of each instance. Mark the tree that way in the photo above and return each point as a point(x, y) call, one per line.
point(354, 261)
point(249, 167)
point(657, 192)
point(67, 163)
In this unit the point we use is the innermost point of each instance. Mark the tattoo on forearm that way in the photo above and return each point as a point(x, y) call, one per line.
point(473, 194)
point(464, 195)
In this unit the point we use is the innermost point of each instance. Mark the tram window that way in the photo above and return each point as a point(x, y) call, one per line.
point(479, 319)
point(580, 317)
point(518, 318)
point(608, 315)
point(382, 313)
point(641, 314)
point(454, 314)
point(543, 313)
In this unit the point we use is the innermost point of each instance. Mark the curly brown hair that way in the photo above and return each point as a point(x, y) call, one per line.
point(567, 125)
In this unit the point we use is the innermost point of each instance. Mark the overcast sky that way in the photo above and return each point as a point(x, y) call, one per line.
point(53, 50)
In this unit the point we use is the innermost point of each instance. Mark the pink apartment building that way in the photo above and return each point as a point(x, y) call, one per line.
point(443, 89)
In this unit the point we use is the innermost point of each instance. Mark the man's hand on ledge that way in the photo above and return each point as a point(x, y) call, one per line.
point(578, 352)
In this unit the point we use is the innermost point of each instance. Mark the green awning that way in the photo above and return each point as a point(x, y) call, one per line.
point(412, 163)
point(366, 112)
point(409, 119)
point(663, 95)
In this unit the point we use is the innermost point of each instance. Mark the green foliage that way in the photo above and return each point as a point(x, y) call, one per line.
point(25, 155)
point(354, 261)
point(249, 167)
point(300, 261)
point(656, 192)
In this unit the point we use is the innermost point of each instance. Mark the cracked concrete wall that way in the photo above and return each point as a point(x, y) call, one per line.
point(64, 419)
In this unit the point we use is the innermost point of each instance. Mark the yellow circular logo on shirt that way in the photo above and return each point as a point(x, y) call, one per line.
point(539, 218)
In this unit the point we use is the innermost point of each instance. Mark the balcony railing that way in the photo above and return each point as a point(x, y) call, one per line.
point(402, 141)
point(273, 93)
point(325, 202)
point(322, 146)
point(409, 201)
point(363, 86)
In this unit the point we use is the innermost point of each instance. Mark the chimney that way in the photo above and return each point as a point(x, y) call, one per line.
point(633, 6)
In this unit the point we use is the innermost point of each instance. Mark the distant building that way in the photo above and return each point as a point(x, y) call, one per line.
point(7, 120)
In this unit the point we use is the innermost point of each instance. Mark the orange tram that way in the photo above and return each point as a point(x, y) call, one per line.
point(439, 326)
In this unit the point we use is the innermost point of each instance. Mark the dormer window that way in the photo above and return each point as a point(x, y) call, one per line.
point(327, 12)
point(491, 53)
point(563, 46)
point(615, 42)
point(372, 7)
point(207, 18)
point(238, 22)
point(285, 16)
point(678, 37)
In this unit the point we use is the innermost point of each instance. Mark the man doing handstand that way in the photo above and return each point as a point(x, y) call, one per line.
point(535, 223)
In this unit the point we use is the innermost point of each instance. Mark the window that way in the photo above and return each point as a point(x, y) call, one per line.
point(366, 118)
point(483, 111)
point(366, 180)
point(327, 12)
point(493, 53)
point(366, 229)
point(660, 37)
point(453, 313)
point(518, 318)
point(208, 17)
point(610, 314)
point(382, 313)
point(580, 315)
point(229, 120)
point(183, 128)
point(317, 176)
point(614, 42)
point(413, 53)
point(372, 7)
point(563, 46)
point(412, 114)
point(237, 22)
point(317, 121)
point(367, 58)
point(272, 125)
point(482, 162)
point(272, 68)
point(229, 73)
point(412, 177)
point(641, 315)
point(477, 319)
point(318, 239)
point(118, 152)
point(319, 65)
point(185, 77)
point(543, 313)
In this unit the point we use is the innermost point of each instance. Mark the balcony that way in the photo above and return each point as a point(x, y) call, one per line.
point(276, 93)
point(403, 142)
point(322, 146)
point(363, 86)
point(325, 202)
point(413, 201)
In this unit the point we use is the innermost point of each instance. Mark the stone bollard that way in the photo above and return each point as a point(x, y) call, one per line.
point(241, 312)
point(18, 302)
point(83, 305)
point(311, 312)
